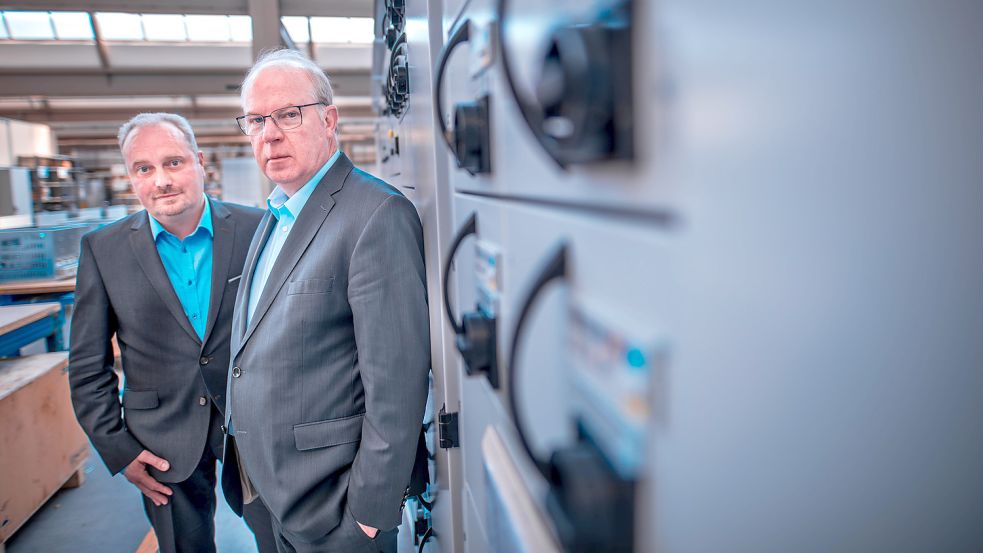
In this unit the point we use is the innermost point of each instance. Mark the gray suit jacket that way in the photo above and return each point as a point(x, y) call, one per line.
point(329, 380)
point(123, 289)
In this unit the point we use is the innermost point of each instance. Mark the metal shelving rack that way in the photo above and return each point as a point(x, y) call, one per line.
point(55, 183)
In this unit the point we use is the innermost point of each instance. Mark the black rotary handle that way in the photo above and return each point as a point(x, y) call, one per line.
point(554, 269)
point(530, 111)
point(457, 37)
point(470, 227)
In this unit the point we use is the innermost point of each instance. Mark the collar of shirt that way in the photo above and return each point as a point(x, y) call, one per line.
point(204, 223)
point(289, 206)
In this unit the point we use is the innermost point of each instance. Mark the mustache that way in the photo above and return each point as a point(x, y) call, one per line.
point(165, 191)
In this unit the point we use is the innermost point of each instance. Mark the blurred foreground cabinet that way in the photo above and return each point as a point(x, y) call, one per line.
point(42, 447)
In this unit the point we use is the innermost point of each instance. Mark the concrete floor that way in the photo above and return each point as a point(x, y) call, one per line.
point(105, 515)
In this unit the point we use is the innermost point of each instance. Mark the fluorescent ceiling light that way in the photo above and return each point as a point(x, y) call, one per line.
point(352, 101)
point(217, 101)
point(19, 103)
point(117, 102)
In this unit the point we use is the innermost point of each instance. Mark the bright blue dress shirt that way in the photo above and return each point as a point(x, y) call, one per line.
point(285, 209)
point(188, 264)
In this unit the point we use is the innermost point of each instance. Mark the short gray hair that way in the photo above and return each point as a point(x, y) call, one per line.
point(286, 58)
point(152, 119)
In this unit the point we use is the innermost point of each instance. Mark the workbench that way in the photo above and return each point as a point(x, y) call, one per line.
point(22, 324)
point(47, 290)
point(37, 287)
point(42, 447)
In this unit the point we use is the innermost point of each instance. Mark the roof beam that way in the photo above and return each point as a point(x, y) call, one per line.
point(109, 141)
point(267, 29)
point(53, 116)
point(100, 44)
point(311, 49)
point(17, 82)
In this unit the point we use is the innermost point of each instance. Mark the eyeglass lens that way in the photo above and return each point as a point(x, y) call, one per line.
point(285, 118)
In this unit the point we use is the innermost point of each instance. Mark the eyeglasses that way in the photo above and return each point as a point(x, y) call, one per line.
point(286, 118)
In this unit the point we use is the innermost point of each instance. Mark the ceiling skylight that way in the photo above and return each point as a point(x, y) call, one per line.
point(341, 30)
point(297, 28)
point(120, 26)
point(164, 27)
point(72, 25)
point(29, 25)
point(207, 28)
point(241, 27)
point(115, 26)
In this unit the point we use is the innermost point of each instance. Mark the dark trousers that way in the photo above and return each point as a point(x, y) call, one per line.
point(187, 523)
point(347, 537)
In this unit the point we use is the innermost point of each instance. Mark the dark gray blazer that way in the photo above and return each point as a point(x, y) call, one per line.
point(123, 289)
point(329, 381)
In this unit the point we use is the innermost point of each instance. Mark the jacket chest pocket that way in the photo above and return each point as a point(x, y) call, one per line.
point(311, 286)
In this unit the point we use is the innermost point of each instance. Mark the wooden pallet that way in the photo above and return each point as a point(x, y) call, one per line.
point(148, 545)
point(44, 449)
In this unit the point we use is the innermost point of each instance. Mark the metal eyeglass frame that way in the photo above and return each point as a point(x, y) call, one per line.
point(241, 120)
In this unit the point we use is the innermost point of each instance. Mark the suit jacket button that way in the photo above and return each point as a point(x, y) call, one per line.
point(224, 429)
point(204, 360)
point(236, 371)
point(203, 401)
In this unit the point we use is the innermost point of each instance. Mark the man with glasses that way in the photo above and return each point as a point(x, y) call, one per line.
point(330, 341)
point(164, 282)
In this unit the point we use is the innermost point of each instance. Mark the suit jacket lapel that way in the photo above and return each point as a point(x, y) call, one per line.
point(308, 222)
point(266, 226)
point(223, 244)
point(144, 249)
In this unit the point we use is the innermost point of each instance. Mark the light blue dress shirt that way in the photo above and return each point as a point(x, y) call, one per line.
point(188, 264)
point(285, 209)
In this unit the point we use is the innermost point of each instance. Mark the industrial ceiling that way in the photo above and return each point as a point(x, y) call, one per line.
point(84, 67)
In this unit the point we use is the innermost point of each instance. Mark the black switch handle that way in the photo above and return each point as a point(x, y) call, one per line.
point(470, 227)
point(555, 268)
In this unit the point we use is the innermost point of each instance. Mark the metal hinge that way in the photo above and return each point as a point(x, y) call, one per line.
point(447, 429)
